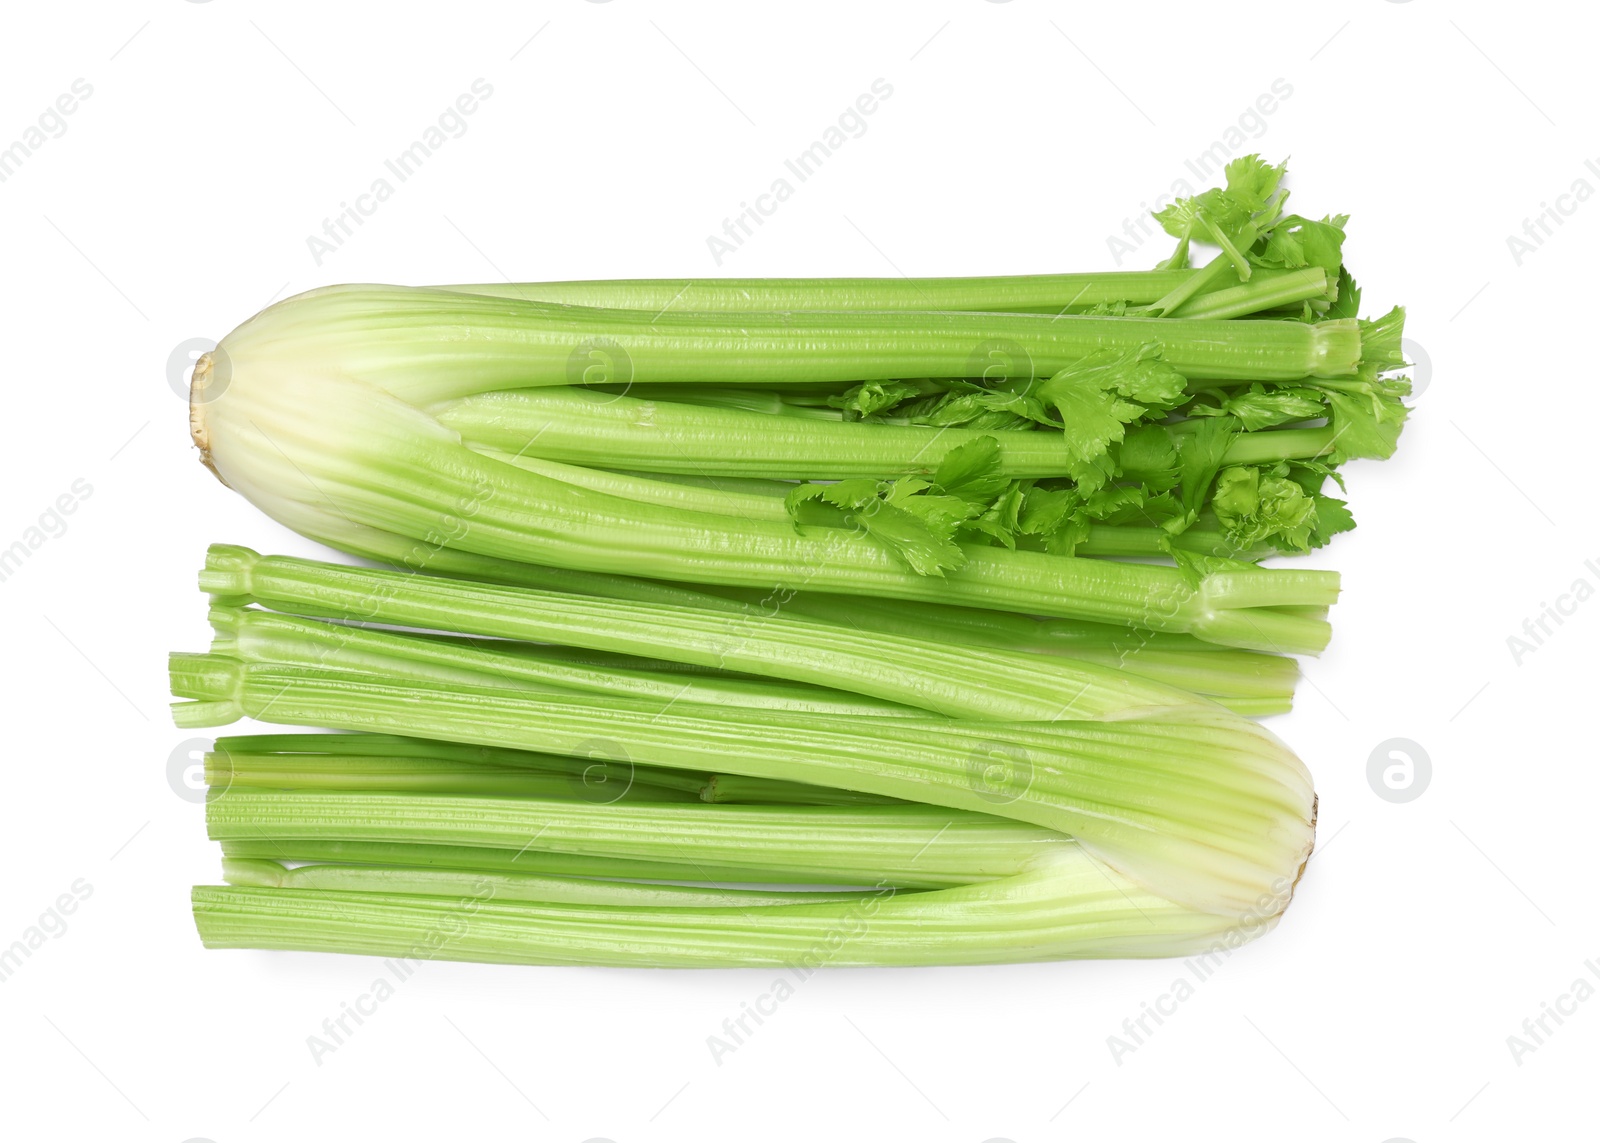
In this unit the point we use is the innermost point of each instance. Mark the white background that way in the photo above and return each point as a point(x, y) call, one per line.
point(1018, 138)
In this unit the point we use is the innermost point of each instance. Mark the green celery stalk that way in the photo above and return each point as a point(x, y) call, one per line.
point(1259, 293)
point(740, 789)
point(1020, 293)
point(228, 771)
point(729, 495)
point(849, 844)
point(1266, 446)
point(1206, 809)
point(1222, 673)
point(451, 499)
point(425, 345)
point(335, 749)
point(540, 888)
point(1071, 906)
point(571, 434)
point(1177, 660)
point(708, 494)
point(264, 637)
point(383, 761)
point(479, 858)
point(592, 429)
point(965, 682)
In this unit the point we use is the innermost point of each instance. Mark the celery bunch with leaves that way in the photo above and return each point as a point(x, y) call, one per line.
point(786, 621)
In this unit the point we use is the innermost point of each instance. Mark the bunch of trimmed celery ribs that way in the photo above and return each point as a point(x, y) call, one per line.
point(785, 622)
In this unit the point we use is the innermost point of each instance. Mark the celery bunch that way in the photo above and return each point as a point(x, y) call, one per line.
point(929, 613)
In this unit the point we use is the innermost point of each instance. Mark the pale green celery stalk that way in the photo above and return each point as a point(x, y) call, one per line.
point(1258, 294)
point(342, 462)
point(1266, 446)
point(1226, 265)
point(1122, 540)
point(601, 430)
point(1071, 906)
point(541, 888)
point(600, 780)
point(916, 618)
point(1019, 293)
point(1247, 682)
point(425, 346)
point(974, 625)
point(739, 789)
point(753, 485)
point(486, 859)
point(1254, 707)
point(230, 771)
point(772, 402)
point(265, 637)
point(611, 660)
point(1204, 808)
point(845, 844)
point(336, 748)
point(601, 774)
point(1208, 277)
point(704, 495)
point(586, 431)
point(1256, 684)
point(1264, 682)
point(963, 681)
point(1228, 670)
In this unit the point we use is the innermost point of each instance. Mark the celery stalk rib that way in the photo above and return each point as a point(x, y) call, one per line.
point(1206, 809)
point(853, 844)
point(1019, 293)
point(540, 888)
point(965, 681)
point(1070, 907)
